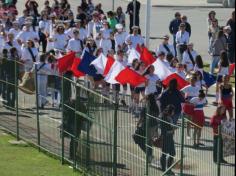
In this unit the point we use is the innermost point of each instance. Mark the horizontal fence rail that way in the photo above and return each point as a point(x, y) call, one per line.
point(101, 133)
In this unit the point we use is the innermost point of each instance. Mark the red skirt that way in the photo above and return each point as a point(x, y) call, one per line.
point(199, 118)
point(228, 103)
point(188, 109)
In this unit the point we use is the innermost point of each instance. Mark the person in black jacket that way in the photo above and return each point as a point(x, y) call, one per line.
point(184, 19)
point(131, 10)
point(167, 133)
point(172, 96)
point(174, 27)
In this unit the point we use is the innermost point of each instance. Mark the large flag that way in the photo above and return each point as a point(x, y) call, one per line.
point(133, 54)
point(133, 78)
point(161, 70)
point(209, 79)
point(85, 65)
point(231, 69)
point(66, 62)
point(103, 64)
point(116, 68)
point(74, 68)
point(181, 82)
point(147, 57)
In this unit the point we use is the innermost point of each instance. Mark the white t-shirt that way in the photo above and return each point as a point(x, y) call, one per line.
point(24, 36)
point(182, 38)
point(198, 104)
point(152, 84)
point(135, 40)
point(223, 71)
point(163, 49)
point(74, 45)
point(120, 38)
point(191, 91)
point(60, 41)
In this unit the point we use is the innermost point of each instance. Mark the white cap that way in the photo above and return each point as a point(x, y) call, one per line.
point(227, 28)
point(119, 26)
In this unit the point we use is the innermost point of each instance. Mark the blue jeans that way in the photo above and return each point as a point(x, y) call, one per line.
point(214, 63)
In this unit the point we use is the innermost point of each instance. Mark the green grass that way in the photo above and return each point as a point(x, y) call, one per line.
point(27, 161)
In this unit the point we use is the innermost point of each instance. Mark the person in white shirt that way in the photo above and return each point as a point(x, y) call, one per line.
point(162, 57)
point(120, 37)
point(26, 34)
point(151, 91)
point(75, 44)
point(30, 55)
point(166, 47)
point(134, 39)
point(94, 26)
point(15, 29)
point(189, 58)
point(182, 40)
point(83, 33)
point(180, 71)
point(60, 39)
point(43, 70)
point(11, 43)
point(105, 38)
point(120, 57)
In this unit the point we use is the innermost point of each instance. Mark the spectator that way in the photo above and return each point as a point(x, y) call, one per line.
point(120, 16)
point(182, 40)
point(112, 20)
point(120, 37)
point(133, 10)
point(81, 15)
point(218, 46)
point(184, 19)
point(174, 27)
point(167, 132)
point(230, 38)
point(134, 39)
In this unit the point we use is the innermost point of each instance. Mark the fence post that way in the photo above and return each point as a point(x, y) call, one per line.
point(88, 132)
point(219, 150)
point(62, 125)
point(115, 138)
point(37, 105)
point(182, 147)
point(147, 139)
point(17, 102)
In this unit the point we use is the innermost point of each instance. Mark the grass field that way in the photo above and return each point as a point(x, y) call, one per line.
point(27, 161)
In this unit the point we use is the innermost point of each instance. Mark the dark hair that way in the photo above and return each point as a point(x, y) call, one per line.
point(220, 34)
point(199, 62)
point(202, 94)
point(147, 72)
point(170, 109)
point(177, 14)
point(4, 51)
point(173, 85)
point(172, 62)
point(169, 57)
point(224, 61)
point(210, 13)
point(199, 73)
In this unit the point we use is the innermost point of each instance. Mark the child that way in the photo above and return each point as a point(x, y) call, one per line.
point(226, 95)
point(223, 70)
point(200, 81)
point(190, 92)
point(199, 66)
point(215, 123)
point(180, 71)
point(199, 116)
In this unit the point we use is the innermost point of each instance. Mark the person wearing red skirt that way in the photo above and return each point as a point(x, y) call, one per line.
point(198, 117)
point(226, 96)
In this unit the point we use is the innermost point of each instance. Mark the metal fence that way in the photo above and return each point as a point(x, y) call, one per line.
point(95, 133)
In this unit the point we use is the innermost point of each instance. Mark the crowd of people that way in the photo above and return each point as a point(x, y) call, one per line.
point(42, 35)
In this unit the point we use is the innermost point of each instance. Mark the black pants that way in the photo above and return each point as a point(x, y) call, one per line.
point(231, 54)
point(137, 21)
point(73, 148)
point(153, 108)
point(215, 149)
point(11, 94)
point(167, 148)
point(3, 85)
point(43, 40)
